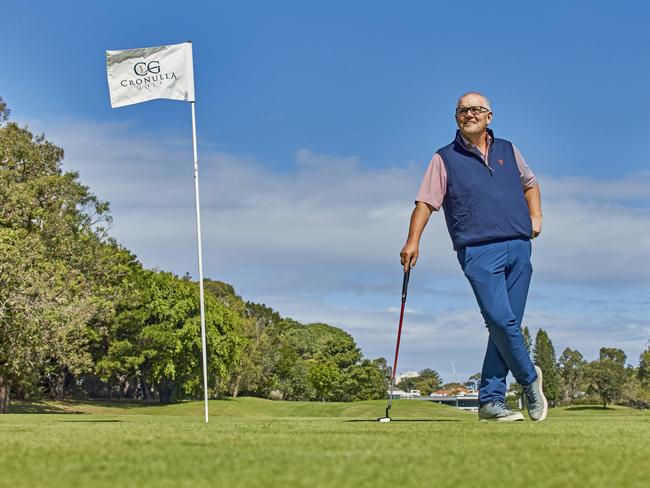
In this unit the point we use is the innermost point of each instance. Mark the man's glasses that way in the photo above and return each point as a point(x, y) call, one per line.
point(476, 110)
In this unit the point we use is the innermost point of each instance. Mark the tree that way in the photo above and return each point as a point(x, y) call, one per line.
point(317, 344)
point(528, 342)
point(571, 366)
point(247, 371)
point(408, 384)
point(4, 111)
point(635, 393)
point(516, 388)
point(22, 286)
point(607, 375)
point(545, 359)
point(643, 372)
point(52, 233)
point(428, 373)
point(253, 372)
point(324, 377)
point(364, 381)
point(225, 294)
point(158, 337)
point(427, 381)
point(334, 344)
point(473, 382)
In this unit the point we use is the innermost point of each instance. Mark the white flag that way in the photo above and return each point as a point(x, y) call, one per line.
point(138, 75)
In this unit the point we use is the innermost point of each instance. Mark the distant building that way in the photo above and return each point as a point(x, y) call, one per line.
point(471, 392)
point(456, 391)
point(397, 393)
point(441, 393)
point(467, 400)
point(404, 394)
point(464, 401)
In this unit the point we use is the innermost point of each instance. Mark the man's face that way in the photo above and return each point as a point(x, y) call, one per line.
point(472, 124)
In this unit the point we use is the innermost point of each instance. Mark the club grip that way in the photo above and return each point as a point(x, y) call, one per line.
point(405, 284)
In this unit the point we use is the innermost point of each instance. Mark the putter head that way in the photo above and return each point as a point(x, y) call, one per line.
point(386, 418)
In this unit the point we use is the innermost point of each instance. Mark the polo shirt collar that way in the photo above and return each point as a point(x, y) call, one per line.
point(470, 146)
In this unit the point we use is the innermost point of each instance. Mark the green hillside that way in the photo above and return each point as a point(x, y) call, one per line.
point(252, 408)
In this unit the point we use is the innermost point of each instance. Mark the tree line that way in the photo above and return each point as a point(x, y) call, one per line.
point(567, 380)
point(571, 379)
point(79, 315)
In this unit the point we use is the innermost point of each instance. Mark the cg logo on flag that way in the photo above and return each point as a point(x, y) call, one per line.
point(143, 69)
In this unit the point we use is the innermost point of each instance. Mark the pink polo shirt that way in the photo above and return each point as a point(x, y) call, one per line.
point(434, 184)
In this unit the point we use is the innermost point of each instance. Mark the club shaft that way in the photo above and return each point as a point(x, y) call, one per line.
point(399, 336)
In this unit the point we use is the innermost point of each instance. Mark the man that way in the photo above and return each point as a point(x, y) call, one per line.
point(492, 208)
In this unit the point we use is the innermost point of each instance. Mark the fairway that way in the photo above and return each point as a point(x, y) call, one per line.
point(251, 442)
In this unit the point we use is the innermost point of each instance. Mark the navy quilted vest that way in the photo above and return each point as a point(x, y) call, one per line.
point(484, 204)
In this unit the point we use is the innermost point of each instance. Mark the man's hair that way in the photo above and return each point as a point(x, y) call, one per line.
point(487, 101)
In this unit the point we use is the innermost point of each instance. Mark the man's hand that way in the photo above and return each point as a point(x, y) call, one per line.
point(537, 225)
point(409, 255)
point(534, 201)
point(419, 219)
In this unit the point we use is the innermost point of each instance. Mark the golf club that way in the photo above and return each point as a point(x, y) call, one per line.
point(405, 285)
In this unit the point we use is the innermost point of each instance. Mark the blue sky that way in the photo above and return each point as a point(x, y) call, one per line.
point(316, 121)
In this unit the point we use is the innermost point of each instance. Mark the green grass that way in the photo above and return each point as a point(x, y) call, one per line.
point(259, 443)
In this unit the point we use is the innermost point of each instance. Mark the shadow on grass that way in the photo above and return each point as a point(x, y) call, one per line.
point(597, 408)
point(404, 420)
point(92, 421)
point(125, 404)
point(129, 404)
point(41, 407)
point(76, 406)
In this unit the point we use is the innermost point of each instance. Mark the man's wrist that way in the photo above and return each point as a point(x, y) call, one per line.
point(413, 242)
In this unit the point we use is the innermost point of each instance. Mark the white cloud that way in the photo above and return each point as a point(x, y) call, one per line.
point(587, 241)
point(589, 332)
point(627, 187)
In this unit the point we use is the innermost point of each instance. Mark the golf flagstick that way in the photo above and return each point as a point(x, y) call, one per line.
point(127, 71)
point(405, 285)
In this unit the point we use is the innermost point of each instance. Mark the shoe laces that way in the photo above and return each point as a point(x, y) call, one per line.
point(531, 393)
point(500, 403)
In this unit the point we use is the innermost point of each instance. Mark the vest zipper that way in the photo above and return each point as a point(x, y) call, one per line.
point(484, 161)
point(487, 160)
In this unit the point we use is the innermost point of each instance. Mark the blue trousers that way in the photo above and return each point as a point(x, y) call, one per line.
point(500, 273)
